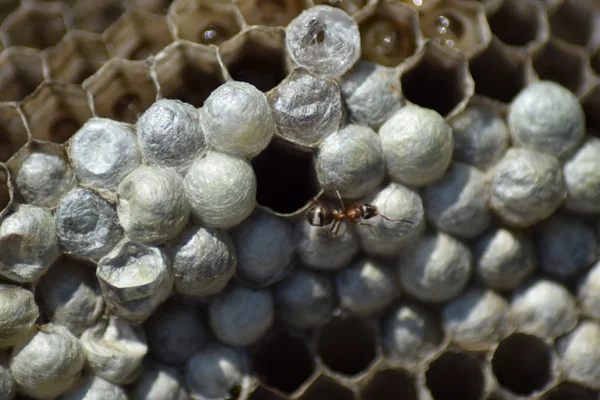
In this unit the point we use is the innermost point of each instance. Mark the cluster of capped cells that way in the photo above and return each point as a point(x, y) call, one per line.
point(300, 199)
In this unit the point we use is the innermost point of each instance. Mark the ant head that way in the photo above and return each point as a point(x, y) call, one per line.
point(368, 211)
point(319, 215)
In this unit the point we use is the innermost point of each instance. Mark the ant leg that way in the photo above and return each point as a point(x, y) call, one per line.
point(341, 201)
point(363, 224)
point(337, 230)
point(327, 232)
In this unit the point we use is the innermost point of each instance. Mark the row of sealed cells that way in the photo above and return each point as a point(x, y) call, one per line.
point(346, 364)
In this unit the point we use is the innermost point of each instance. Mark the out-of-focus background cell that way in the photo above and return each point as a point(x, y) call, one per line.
point(271, 12)
point(95, 16)
point(36, 25)
point(13, 133)
point(137, 35)
point(21, 71)
point(78, 55)
point(56, 111)
point(121, 90)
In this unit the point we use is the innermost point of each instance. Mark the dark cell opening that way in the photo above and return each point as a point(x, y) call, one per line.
point(572, 22)
point(561, 67)
point(387, 41)
point(63, 128)
point(7, 7)
point(13, 136)
point(283, 362)
point(496, 76)
point(433, 85)
point(515, 22)
point(286, 177)
point(521, 364)
point(455, 376)
point(128, 107)
point(325, 389)
point(20, 76)
point(100, 19)
point(263, 68)
point(591, 105)
point(38, 28)
point(390, 384)
point(347, 345)
point(595, 61)
point(195, 87)
point(569, 391)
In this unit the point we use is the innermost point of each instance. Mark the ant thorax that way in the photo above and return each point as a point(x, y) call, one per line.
point(319, 215)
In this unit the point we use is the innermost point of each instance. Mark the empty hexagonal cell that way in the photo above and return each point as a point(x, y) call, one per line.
point(347, 345)
point(37, 25)
point(77, 56)
point(137, 35)
point(202, 22)
point(6, 190)
point(21, 71)
point(188, 72)
point(520, 23)
point(285, 176)
point(574, 21)
point(95, 16)
point(500, 72)
point(121, 90)
point(56, 111)
point(324, 388)
point(457, 24)
point(270, 13)
point(391, 34)
point(440, 81)
point(155, 6)
point(523, 364)
point(456, 375)
point(13, 134)
point(256, 56)
point(566, 65)
point(283, 362)
point(390, 384)
point(569, 391)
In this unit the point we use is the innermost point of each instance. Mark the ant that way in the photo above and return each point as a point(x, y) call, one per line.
point(320, 214)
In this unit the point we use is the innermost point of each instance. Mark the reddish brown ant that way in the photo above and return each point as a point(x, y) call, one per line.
point(320, 214)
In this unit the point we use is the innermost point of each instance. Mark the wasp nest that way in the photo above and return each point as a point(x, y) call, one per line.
point(300, 199)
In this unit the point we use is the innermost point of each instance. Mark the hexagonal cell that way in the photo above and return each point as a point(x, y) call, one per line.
point(457, 24)
point(391, 34)
point(155, 6)
point(569, 391)
point(21, 71)
point(188, 72)
point(521, 23)
point(565, 65)
point(256, 56)
point(121, 90)
point(591, 106)
point(13, 133)
point(347, 345)
point(56, 111)
point(271, 12)
point(137, 35)
point(6, 190)
point(574, 21)
point(440, 80)
point(37, 25)
point(324, 388)
point(500, 72)
point(262, 393)
point(7, 7)
point(523, 364)
point(390, 383)
point(283, 362)
point(77, 56)
point(456, 375)
point(202, 22)
point(286, 177)
point(95, 16)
